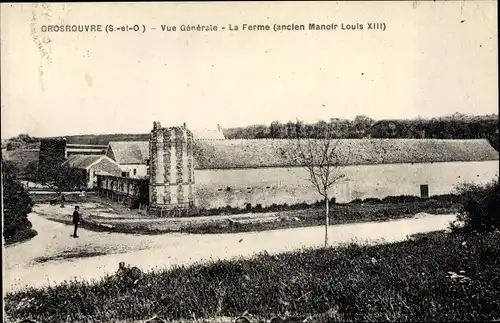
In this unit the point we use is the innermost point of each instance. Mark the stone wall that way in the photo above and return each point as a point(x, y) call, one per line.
point(290, 185)
point(171, 170)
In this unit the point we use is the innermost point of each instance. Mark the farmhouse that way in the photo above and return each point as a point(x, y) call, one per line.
point(184, 172)
point(131, 156)
point(94, 165)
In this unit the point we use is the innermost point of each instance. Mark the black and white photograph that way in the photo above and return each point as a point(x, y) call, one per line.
point(250, 162)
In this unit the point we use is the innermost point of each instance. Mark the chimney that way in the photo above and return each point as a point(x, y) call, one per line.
point(156, 125)
point(218, 127)
point(184, 125)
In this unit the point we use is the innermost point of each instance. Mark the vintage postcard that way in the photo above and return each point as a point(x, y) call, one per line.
point(250, 161)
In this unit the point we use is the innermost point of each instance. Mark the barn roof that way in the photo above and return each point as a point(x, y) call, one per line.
point(82, 161)
point(207, 134)
point(128, 152)
point(244, 153)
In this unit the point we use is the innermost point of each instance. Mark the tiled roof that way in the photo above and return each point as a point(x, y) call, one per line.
point(207, 134)
point(269, 153)
point(82, 161)
point(243, 153)
point(128, 152)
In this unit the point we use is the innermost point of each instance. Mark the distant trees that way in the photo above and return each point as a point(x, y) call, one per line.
point(436, 128)
point(361, 124)
point(17, 204)
point(456, 126)
point(20, 141)
point(322, 160)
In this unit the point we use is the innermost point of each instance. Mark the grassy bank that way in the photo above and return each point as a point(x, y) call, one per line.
point(339, 214)
point(357, 211)
point(435, 277)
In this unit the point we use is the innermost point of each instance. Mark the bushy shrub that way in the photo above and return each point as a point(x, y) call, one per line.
point(142, 198)
point(16, 205)
point(480, 207)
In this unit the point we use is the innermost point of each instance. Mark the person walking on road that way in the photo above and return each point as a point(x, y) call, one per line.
point(76, 220)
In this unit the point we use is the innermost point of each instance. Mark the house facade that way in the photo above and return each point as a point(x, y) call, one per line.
point(132, 157)
point(94, 165)
point(184, 172)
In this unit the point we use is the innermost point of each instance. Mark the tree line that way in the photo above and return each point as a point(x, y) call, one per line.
point(457, 126)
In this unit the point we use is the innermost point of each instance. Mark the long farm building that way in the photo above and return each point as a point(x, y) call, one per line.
point(185, 172)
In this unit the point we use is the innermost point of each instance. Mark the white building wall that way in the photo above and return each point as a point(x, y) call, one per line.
point(236, 187)
point(141, 170)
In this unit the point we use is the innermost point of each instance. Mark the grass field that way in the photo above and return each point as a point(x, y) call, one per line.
point(434, 277)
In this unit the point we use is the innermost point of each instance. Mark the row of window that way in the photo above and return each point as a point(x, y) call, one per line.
point(121, 187)
point(249, 189)
point(127, 174)
point(124, 174)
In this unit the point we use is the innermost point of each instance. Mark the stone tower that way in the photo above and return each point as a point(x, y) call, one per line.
point(171, 170)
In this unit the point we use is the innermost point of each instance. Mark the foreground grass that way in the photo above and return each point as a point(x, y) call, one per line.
point(435, 277)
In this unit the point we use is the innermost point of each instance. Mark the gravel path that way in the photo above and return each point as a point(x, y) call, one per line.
point(163, 251)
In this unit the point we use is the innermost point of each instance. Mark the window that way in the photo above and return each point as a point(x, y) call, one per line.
point(135, 171)
point(219, 189)
point(424, 191)
point(228, 189)
point(124, 174)
point(268, 187)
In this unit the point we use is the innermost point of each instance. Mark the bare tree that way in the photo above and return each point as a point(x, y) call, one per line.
point(320, 156)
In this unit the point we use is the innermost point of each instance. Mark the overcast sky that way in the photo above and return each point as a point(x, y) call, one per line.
point(434, 58)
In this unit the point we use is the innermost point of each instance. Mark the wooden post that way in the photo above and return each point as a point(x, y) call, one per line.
point(326, 221)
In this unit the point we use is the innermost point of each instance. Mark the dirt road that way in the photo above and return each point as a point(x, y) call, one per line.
point(163, 251)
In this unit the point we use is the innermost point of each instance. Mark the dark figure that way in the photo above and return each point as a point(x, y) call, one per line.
point(76, 220)
point(63, 199)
